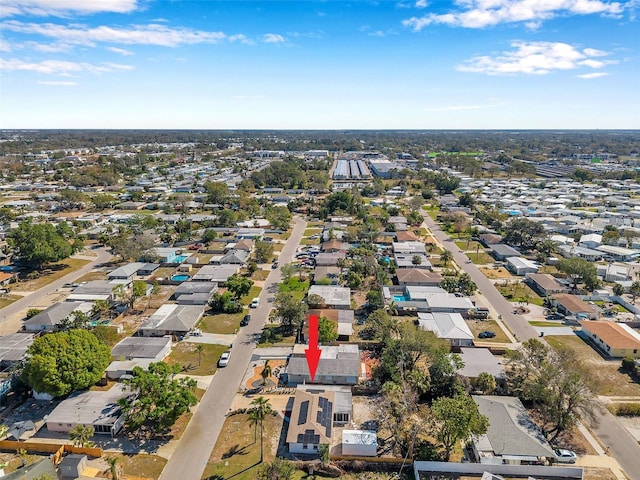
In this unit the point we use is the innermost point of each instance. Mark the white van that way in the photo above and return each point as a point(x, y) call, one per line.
point(254, 303)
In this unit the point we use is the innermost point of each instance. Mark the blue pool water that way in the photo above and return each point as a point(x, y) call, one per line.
point(180, 258)
point(181, 278)
point(399, 298)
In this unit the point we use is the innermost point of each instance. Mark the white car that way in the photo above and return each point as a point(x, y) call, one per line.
point(254, 303)
point(224, 359)
point(565, 456)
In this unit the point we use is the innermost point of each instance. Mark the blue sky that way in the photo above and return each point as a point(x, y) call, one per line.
point(469, 64)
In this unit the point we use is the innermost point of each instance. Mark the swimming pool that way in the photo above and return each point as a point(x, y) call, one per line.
point(180, 278)
point(399, 298)
point(180, 258)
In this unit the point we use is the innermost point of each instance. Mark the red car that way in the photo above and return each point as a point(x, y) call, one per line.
point(195, 246)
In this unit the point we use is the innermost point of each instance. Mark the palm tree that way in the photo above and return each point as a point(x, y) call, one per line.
point(199, 349)
point(100, 308)
point(113, 467)
point(266, 372)
point(446, 257)
point(254, 419)
point(262, 408)
point(80, 435)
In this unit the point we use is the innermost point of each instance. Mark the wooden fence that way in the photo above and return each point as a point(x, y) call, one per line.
point(56, 449)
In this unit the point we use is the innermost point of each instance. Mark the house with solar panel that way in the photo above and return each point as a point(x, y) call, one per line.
point(317, 409)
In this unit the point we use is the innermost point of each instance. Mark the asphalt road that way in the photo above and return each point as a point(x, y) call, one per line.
point(621, 444)
point(103, 256)
point(517, 324)
point(190, 457)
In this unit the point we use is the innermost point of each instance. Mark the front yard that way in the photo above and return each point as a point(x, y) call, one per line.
point(223, 323)
point(519, 292)
point(237, 451)
point(603, 376)
point(477, 326)
point(8, 299)
point(51, 273)
point(193, 363)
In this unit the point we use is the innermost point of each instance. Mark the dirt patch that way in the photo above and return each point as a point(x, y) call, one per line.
point(493, 273)
point(272, 380)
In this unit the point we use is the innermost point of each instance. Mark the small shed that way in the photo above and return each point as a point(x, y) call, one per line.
point(361, 443)
point(73, 465)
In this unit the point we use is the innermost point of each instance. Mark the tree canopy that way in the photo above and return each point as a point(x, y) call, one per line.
point(60, 363)
point(39, 243)
point(524, 233)
point(160, 399)
point(579, 270)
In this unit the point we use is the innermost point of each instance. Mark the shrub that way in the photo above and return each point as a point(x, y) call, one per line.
point(628, 364)
point(628, 410)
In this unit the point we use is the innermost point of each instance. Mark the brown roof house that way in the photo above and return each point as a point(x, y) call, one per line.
point(544, 284)
point(418, 277)
point(613, 339)
point(568, 304)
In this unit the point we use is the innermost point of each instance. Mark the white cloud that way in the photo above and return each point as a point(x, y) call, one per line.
point(65, 7)
point(487, 13)
point(4, 45)
point(588, 76)
point(421, 4)
point(241, 38)
point(273, 38)
point(63, 84)
point(377, 33)
point(120, 51)
point(535, 58)
point(59, 67)
point(151, 34)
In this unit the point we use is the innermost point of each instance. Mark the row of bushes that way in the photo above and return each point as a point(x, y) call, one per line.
point(627, 410)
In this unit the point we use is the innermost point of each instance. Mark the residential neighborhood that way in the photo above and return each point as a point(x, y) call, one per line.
point(473, 320)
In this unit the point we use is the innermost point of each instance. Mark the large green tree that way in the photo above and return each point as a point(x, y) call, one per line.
point(291, 311)
point(457, 418)
point(279, 217)
point(238, 285)
point(62, 362)
point(548, 381)
point(578, 271)
point(524, 233)
point(160, 399)
point(39, 243)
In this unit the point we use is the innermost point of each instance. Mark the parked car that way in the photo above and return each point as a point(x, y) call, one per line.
point(274, 265)
point(224, 359)
point(565, 456)
point(245, 320)
point(555, 316)
point(254, 303)
point(487, 334)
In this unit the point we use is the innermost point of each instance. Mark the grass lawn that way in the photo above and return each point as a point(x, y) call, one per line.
point(312, 231)
point(493, 273)
point(550, 269)
point(237, 454)
point(515, 292)
point(277, 247)
point(50, 274)
point(603, 376)
point(477, 326)
point(480, 258)
point(310, 241)
point(223, 323)
point(294, 285)
point(253, 293)
point(141, 465)
point(185, 354)
point(260, 275)
point(94, 275)
point(13, 460)
point(462, 245)
point(8, 299)
point(542, 323)
point(203, 257)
